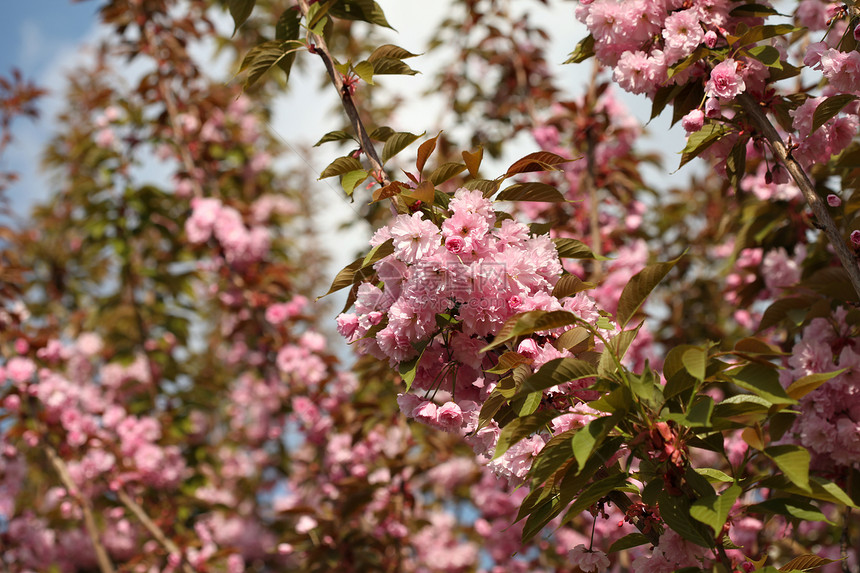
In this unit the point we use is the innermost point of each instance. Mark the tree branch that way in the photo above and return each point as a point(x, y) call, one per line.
point(622, 502)
point(846, 257)
point(102, 558)
point(152, 527)
point(337, 80)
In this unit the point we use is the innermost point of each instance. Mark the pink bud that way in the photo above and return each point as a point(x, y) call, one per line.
point(710, 38)
point(712, 108)
point(693, 121)
point(855, 238)
point(455, 244)
point(833, 200)
point(21, 346)
point(857, 32)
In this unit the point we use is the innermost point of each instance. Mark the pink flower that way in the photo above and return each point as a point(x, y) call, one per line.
point(682, 33)
point(414, 238)
point(20, 369)
point(449, 416)
point(305, 524)
point(693, 121)
point(855, 238)
point(589, 560)
point(725, 82)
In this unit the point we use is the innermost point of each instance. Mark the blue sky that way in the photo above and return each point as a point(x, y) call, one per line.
point(42, 39)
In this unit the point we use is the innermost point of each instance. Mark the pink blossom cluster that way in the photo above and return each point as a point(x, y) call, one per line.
point(829, 421)
point(641, 40)
point(447, 288)
point(835, 135)
point(241, 245)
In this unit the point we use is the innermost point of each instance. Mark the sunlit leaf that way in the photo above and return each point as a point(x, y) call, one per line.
point(341, 166)
point(396, 143)
point(714, 510)
point(793, 461)
point(638, 289)
point(536, 191)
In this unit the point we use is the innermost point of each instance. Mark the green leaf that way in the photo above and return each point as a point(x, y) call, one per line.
point(333, 136)
point(794, 463)
point(759, 33)
point(714, 475)
point(409, 369)
point(392, 67)
point(341, 166)
point(768, 55)
point(445, 172)
point(390, 51)
point(803, 386)
point(589, 437)
point(574, 249)
point(551, 457)
point(753, 11)
point(714, 510)
point(351, 180)
point(742, 405)
point(396, 143)
point(381, 133)
point(584, 50)
point(524, 405)
point(240, 10)
point(829, 108)
point(593, 493)
point(762, 381)
point(736, 162)
point(675, 511)
point(638, 289)
point(699, 414)
point(344, 278)
point(695, 361)
point(264, 57)
point(555, 372)
point(698, 54)
point(536, 191)
point(531, 322)
point(628, 541)
point(538, 161)
point(701, 140)
point(569, 285)
point(364, 10)
point(805, 563)
point(486, 186)
point(790, 507)
point(364, 70)
point(615, 351)
point(288, 28)
point(507, 361)
point(520, 428)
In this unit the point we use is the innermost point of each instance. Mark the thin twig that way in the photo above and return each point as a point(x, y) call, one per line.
point(173, 119)
point(589, 178)
point(102, 558)
point(843, 541)
point(846, 257)
point(321, 49)
point(152, 527)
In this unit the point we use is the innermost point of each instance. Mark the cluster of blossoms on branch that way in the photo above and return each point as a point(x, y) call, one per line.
point(446, 292)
